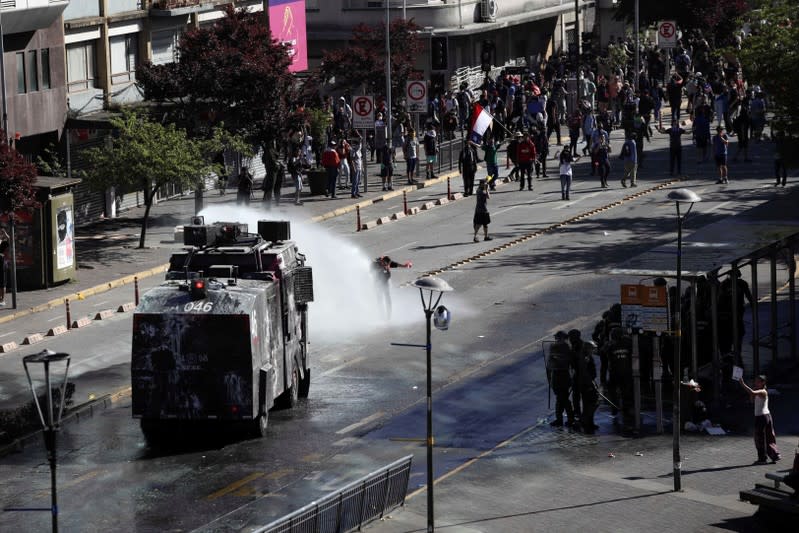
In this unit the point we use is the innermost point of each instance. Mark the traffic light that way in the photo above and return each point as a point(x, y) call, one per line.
point(487, 55)
point(438, 60)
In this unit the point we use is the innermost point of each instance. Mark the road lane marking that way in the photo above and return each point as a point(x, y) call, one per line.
point(511, 208)
point(78, 480)
point(576, 200)
point(342, 366)
point(719, 206)
point(401, 247)
point(235, 486)
point(356, 425)
point(9, 333)
point(98, 304)
point(55, 318)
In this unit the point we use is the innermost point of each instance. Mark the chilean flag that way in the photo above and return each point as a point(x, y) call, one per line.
point(481, 121)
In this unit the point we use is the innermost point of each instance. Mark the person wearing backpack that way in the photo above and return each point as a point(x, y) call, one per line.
point(629, 155)
point(467, 166)
point(430, 150)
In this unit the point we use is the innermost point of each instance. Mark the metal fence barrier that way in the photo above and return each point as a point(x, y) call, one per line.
point(351, 507)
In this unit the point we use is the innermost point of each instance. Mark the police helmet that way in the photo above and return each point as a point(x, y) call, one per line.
point(574, 334)
point(560, 335)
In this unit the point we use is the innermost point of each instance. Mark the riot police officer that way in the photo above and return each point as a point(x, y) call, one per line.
point(576, 344)
point(560, 379)
point(620, 386)
point(584, 381)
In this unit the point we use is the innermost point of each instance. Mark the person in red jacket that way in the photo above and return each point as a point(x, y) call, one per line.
point(526, 156)
point(331, 161)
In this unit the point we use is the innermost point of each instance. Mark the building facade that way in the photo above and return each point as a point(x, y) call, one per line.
point(517, 30)
point(33, 67)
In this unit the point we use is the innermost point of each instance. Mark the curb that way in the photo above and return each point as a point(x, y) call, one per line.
point(91, 291)
point(389, 195)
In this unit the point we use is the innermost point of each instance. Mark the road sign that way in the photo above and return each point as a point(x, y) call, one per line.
point(667, 34)
point(416, 92)
point(363, 112)
point(644, 307)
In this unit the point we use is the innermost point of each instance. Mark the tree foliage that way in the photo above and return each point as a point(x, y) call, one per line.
point(769, 58)
point(715, 18)
point(362, 63)
point(231, 72)
point(146, 155)
point(17, 177)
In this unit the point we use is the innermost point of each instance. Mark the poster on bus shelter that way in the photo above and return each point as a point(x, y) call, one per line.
point(287, 23)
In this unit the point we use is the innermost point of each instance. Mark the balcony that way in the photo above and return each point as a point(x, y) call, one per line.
point(173, 8)
point(30, 15)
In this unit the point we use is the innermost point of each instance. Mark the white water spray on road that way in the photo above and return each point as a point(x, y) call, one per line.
point(345, 305)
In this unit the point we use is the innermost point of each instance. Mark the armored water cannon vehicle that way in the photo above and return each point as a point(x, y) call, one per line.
point(224, 338)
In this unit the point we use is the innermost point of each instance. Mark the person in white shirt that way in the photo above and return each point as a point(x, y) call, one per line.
point(765, 439)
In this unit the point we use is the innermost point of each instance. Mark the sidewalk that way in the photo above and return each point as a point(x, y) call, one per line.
point(556, 480)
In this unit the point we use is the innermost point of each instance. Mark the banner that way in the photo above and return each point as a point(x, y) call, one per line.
point(287, 24)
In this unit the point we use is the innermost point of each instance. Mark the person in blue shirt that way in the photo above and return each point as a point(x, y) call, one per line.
point(720, 142)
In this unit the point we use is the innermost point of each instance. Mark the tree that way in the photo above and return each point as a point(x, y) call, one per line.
point(362, 63)
point(231, 72)
point(17, 178)
point(145, 155)
point(769, 58)
point(715, 18)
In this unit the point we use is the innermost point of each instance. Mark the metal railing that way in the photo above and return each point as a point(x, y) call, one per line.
point(351, 507)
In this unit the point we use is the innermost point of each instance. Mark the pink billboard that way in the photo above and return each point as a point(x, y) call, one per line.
point(287, 23)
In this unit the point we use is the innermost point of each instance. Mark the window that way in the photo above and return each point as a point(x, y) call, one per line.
point(124, 50)
point(81, 66)
point(21, 79)
point(44, 59)
point(33, 70)
point(164, 44)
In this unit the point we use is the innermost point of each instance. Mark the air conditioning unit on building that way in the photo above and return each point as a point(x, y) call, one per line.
point(488, 10)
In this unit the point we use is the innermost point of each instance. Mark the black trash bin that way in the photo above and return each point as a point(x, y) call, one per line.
point(317, 181)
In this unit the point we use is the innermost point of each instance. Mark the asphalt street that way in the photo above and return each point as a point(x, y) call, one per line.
point(499, 467)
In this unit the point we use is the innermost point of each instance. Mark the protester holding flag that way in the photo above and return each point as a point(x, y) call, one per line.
point(490, 149)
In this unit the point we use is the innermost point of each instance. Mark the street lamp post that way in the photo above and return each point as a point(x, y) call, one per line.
point(637, 62)
point(439, 315)
point(388, 79)
point(689, 197)
point(50, 419)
